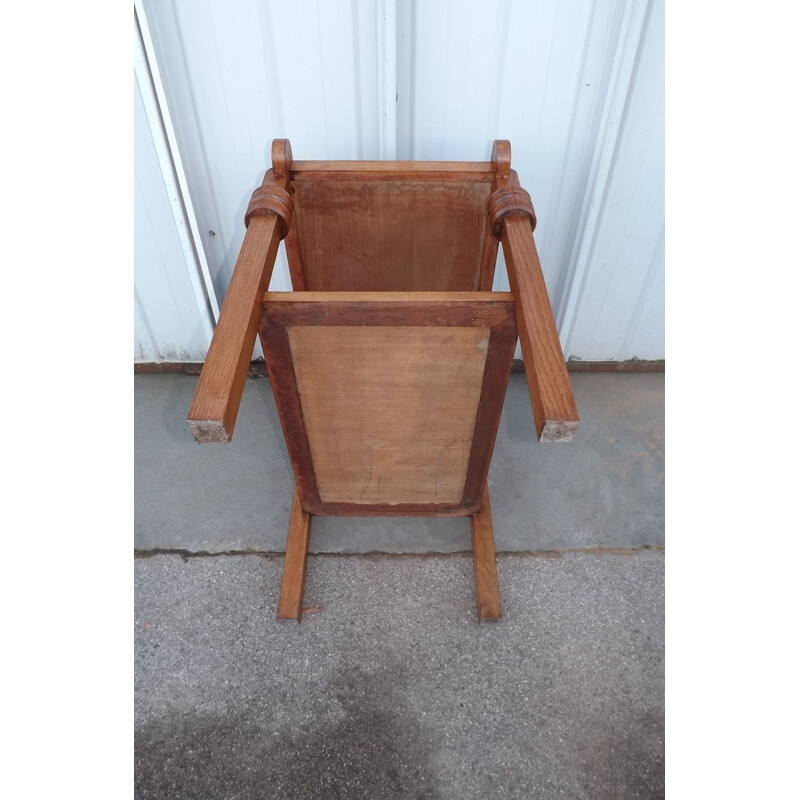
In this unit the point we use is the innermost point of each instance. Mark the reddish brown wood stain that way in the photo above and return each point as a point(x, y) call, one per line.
point(391, 236)
point(390, 360)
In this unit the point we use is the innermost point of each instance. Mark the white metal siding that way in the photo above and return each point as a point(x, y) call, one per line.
point(620, 306)
point(370, 79)
point(168, 324)
point(238, 75)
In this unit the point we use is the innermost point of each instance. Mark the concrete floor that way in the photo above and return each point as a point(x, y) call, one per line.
point(389, 687)
point(604, 489)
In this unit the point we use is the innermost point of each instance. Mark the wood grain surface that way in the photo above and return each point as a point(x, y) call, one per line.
point(502, 341)
point(487, 585)
point(212, 414)
point(480, 171)
point(554, 410)
point(443, 309)
point(381, 396)
point(290, 605)
point(409, 235)
point(389, 411)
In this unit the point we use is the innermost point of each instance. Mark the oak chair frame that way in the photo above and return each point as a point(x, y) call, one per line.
point(291, 192)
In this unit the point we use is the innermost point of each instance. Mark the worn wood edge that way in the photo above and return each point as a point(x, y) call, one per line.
point(501, 164)
point(484, 560)
point(552, 397)
point(421, 309)
point(496, 370)
point(549, 387)
point(218, 393)
point(501, 158)
point(339, 509)
point(258, 369)
point(293, 579)
point(281, 153)
point(449, 298)
point(283, 379)
point(208, 430)
point(294, 256)
point(631, 365)
point(558, 430)
point(485, 278)
point(458, 171)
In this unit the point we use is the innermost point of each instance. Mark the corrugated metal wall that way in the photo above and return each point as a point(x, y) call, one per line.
point(577, 86)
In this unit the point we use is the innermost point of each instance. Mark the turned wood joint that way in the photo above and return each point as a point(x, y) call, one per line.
point(509, 200)
point(268, 199)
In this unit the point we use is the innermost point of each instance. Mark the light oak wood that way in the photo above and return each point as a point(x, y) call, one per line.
point(212, 414)
point(448, 309)
point(554, 410)
point(389, 411)
point(393, 170)
point(215, 406)
point(487, 585)
point(290, 605)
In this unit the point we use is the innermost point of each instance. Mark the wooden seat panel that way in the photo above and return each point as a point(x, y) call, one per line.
point(381, 395)
point(389, 411)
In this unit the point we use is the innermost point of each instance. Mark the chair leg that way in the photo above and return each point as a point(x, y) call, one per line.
point(290, 605)
point(487, 586)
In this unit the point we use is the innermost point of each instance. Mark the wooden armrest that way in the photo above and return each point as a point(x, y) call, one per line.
point(554, 409)
point(215, 405)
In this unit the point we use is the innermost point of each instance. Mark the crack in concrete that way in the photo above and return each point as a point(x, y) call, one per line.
point(589, 551)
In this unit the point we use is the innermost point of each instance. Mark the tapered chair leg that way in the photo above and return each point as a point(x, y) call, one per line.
point(487, 586)
point(290, 605)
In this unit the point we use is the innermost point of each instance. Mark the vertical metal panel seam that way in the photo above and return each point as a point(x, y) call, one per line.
point(357, 79)
point(324, 93)
point(652, 268)
point(412, 53)
point(578, 228)
point(164, 270)
point(501, 47)
point(174, 172)
point(614, 110)
point(573, 224)
point(195, 120)
point(271, 68)
point(148, 328)
point(387, 79)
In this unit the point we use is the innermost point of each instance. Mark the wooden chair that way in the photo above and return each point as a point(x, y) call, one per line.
point(390, 359)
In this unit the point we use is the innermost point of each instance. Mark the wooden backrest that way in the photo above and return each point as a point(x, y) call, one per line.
point(389, 402)
point(391, 226)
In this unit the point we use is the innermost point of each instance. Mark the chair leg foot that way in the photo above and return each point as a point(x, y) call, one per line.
point(487, 585)
point(290, 605)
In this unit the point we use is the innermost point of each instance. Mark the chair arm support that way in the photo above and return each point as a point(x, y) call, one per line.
point(215, 405)
point(554, 409)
